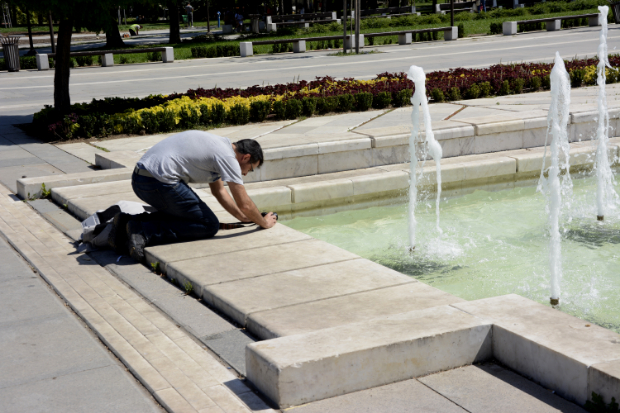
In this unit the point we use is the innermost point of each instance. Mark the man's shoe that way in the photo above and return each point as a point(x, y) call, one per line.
point(136, 241)
point(117, 239)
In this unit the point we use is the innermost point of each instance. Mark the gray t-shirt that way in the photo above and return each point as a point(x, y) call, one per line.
point(192, 156)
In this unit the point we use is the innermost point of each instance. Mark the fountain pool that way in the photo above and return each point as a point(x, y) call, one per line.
point(493, 243)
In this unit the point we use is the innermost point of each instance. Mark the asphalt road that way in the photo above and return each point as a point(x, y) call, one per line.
point(25, 92)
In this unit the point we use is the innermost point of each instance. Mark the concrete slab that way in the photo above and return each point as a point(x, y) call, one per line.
point(30, 349)
point(81, 150)
point(239, 299)
point(402, 397)
point(552, 347)
point(230, 346)
point(16, 291)
point(62, 195)
point(9, 176)
point(56, 157)
point(491, 388)
point(346, 309)
point(254, 262)
point(32, 183)
point(307, 367)
point(224, 242)
point(106, 389)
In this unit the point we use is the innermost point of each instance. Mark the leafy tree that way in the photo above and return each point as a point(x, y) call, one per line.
point(93, 15)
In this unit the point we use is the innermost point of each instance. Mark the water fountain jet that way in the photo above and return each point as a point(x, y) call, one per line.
point(417, 76)
point(605, 193)
point(557, 125)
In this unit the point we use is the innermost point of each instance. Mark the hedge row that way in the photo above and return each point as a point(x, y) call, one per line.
point(212, 107)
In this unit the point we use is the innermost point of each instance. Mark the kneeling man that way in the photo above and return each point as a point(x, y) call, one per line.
point(161, 180)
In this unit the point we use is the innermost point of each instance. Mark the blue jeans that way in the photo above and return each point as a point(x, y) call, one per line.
point(181, 215)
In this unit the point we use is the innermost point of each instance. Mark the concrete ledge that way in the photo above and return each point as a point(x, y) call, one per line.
point(604, 380)
point(31, 187)
point(553, 348)
point(117, 159)
point(306, 367)
point(346, 309)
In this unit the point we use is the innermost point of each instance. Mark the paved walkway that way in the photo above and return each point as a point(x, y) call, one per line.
point(50, 361)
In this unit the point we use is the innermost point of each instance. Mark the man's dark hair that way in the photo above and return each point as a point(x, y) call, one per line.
point(251, 147)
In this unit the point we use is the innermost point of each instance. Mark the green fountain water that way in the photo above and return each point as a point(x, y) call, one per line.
point(493, 243)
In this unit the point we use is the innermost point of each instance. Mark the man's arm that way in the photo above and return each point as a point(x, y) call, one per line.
point(245, 204)
point(223, 197)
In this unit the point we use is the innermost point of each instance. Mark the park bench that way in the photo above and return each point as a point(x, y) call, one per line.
point(552, 23)
point(458, 7)
point(299, 45)
point(300, 20)
point(167, 55)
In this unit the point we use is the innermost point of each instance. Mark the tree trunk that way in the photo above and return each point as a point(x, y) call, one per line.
point(113, 37)
point(175, 29)
point(32, 52)
point(62, 100)
point(281, 8)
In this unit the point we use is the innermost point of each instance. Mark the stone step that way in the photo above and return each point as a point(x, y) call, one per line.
point(289, 283)
point(345, 309)
point(31, 187)
point(563, 353)
point(302, 368)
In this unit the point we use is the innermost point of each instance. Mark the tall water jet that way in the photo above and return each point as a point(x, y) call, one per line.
point(557, 123)
point(417, 76)
point(605, 193)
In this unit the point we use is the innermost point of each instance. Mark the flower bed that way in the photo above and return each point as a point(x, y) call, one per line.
point(206, 108)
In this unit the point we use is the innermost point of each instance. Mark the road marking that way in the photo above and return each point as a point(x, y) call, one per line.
point(291, 68)
point(443, 46)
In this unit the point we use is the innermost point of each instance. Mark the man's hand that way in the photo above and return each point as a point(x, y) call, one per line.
point(271, 220)
point(247, 207)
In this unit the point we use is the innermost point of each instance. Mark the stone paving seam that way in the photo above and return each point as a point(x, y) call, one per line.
point(93, 299)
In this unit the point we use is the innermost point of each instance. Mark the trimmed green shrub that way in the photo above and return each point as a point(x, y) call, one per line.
point(382, 100)
point(546, 82)
point(153, 56)
point(576, 77)
point(279, 109)
point(454, 94)
point(535, 84)
point(205, 115)
point(496, 28)
point(504, 89)
point(239, 114)
point(189, 117)
point(338, 44)
point(437, 95)
point(345, 102)
point(473, 92)
point(485, 89)
point(402, 98)
point(292, 108)
point(166, 121)
point(131, 126)
point(84, 60)
point(218, 114)
point(87, 126)
point(150, 121)
point(518, 85)
point(259, 109)
point(27, 62)
point(461, 30)
point(124, 60)
point(363, 101)
point(308, 106)
point(2, 65)
point(72, 63)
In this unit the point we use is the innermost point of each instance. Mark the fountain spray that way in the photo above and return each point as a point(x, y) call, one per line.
point(605, 193)
point(417, 76)
point(557, 122)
